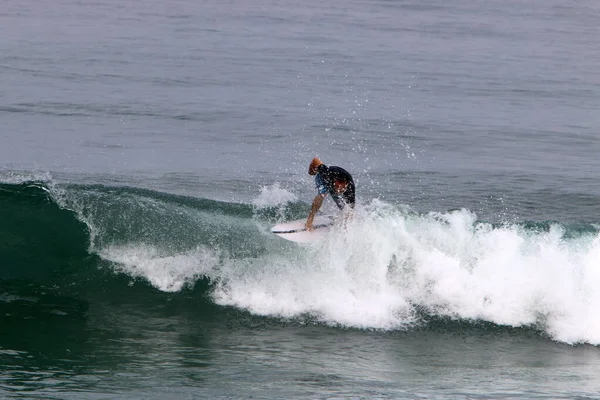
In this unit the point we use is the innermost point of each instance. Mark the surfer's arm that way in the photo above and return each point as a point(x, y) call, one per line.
point(316, 205)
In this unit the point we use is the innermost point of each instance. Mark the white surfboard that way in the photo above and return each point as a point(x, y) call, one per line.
point(296, 232)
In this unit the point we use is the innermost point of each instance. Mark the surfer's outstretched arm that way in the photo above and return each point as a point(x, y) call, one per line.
point(316, 205)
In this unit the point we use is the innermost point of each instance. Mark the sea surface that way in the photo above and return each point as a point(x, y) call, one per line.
point(147, 147)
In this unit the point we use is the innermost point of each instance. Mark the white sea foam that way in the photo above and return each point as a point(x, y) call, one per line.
point(166, 272)
point(374, 273)
point(16, 177)
point(273, 195)
point(388, 263)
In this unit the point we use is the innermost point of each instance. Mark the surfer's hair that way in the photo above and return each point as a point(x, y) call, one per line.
point(314, 164)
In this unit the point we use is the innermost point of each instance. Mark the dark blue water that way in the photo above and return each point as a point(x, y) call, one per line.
point(146, 149)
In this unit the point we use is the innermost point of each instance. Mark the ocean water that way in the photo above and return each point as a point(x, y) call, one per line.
point(146, 148)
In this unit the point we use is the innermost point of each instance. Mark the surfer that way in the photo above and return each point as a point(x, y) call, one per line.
point(333, 180)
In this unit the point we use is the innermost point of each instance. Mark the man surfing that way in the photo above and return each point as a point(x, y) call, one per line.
point(333, 180)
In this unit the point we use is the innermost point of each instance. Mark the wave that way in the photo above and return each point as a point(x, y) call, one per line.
point(391, 269)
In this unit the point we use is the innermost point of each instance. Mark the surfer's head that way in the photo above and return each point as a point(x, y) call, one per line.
point(314, 164)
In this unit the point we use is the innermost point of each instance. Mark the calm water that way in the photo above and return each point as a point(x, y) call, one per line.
point(146, 149)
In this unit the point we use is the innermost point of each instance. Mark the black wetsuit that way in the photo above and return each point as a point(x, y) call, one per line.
point(325, 179)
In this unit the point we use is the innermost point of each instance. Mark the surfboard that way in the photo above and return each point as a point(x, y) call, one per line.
point(296, 232)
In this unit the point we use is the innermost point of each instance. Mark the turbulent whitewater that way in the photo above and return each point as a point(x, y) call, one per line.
point(390, 269)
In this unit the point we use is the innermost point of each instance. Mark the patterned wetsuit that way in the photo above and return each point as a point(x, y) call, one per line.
point(325, 179)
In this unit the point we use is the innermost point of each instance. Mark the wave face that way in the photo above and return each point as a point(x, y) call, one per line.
point(391, 269)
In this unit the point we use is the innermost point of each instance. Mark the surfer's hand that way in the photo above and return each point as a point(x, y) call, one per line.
point(308, 226)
